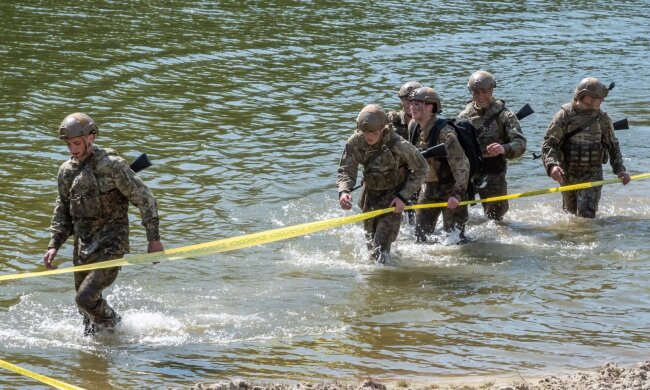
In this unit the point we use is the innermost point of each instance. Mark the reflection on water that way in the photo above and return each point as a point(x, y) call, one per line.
point(243, 110)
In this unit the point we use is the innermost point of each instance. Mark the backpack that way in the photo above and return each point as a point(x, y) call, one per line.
point(466, 134)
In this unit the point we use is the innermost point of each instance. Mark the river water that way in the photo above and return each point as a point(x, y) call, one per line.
point(244, 108)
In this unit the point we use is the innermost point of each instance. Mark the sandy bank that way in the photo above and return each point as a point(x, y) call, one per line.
point(609, 376)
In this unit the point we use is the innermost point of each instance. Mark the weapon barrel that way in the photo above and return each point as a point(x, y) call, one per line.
point(438, 151)
point(525, 111)
point(140, 163)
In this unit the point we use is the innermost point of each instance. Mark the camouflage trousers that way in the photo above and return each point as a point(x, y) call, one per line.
point(382, 230)
point(583, 203)
point(496, 185)
point(426, 219)
point(96, 311)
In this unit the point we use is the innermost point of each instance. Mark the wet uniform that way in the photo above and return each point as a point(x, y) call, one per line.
point(392, 167)
point(582, 155)
point(92, 205)
point(496, 123)
point(447, 177)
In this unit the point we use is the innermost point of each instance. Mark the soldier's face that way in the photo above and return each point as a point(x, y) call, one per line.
point(372, 137)
point(482, 97)
point(420, 110)
point(79, 146)
point(405, 104)
point(591, 103)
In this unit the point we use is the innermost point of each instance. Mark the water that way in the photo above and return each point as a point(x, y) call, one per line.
point(243, 108)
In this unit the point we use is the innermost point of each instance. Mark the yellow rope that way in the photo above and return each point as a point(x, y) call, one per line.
point(249, 240)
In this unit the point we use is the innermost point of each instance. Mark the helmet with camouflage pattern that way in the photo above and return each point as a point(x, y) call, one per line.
point(590, 86)
point(407, 88)
point(77, 125)
point(372, 118)
point(427, 95)
point(481, 80)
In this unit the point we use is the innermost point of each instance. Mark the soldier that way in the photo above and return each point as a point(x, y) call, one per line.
point(499, 135)
point(447, 179)
point(399, 120)
point(94, 190)
point(579, 140)
point(392, 171)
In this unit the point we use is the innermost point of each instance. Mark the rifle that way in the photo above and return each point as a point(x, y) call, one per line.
point(140, 163)
point(438, 151)
point(618, 125)
point(525, 111)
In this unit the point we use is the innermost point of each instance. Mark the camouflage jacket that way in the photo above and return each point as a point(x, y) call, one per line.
point(92, 204)
point(505, 129)
point(453, 169)
point(589, 147)
point(398, 121)
point(389, 164)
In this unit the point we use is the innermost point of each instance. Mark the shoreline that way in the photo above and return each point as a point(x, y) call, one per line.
point(608, 376)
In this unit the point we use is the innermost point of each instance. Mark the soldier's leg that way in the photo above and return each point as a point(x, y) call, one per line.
point(89, 297)
point(89, 326)
point(426, 219)
point(455, 219)
point(370, 226)
point(385, 234)
point(496, 186)
point(587, 202)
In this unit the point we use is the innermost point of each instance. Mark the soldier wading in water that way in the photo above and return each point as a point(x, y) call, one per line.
point(95, 187)
point(579, 140)
point(393, 170)
point(499, 135)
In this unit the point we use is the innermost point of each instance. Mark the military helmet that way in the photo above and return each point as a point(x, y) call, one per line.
point(427, 95)
point(76, 125)
point(407, 88)
point(481, 80)
point(590, 86)
point(372, 118)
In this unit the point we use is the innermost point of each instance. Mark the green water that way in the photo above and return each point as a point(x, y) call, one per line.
point(244, 108)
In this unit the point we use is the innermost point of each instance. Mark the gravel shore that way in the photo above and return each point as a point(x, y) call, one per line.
point(609, 376)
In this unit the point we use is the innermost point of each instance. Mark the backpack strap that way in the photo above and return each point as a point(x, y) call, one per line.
point(435, 131)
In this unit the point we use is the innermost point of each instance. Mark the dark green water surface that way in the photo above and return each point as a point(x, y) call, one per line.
point(244, 108)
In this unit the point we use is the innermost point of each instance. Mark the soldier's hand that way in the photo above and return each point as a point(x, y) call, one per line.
point(399, 205)
point(48, 259)
point(495, 149)
point(557, 174)
point(155, 246)
point(452, 202)
point(625, 177)
point(345, 200)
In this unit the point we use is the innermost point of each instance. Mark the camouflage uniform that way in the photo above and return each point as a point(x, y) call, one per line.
point(581, 157)
point(92, 204)
point(397, 120)
point(446, 178)
point(391, 168)
point(505, 129)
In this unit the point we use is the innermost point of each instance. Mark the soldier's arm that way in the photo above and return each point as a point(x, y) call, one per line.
point(61, 225)
point(417, 166)
point(131, 186)
point(457, 160)
point(516, 145)
point(551, 153)
point(610, 142)
point(347, 172)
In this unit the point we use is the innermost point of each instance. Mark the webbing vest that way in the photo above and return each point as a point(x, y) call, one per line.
point(584, 147)
point(381, 169)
